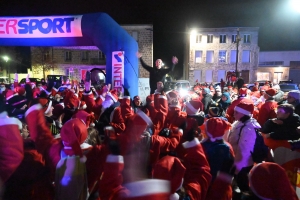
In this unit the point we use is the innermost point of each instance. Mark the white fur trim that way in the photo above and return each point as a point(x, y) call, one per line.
point(112, 96)
point(85, 146)
point(241, 110)
point(145, 117)
point(191, 144)
point(33, 108)
point(84, 107)
point(54, 89)
point(189, 105)
point(176, 106)
point(174, 196)
point(114, 159)
point(148, 187)
point(11, 121)
point(87, 93)
point(180, 131)
point(3, 114)
point(225, 177)
point(162, 97)
point(49, 107)
point(11, 96)
point(126, 97)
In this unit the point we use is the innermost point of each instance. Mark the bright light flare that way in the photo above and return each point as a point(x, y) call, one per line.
point(295, 4)
point(6, 58)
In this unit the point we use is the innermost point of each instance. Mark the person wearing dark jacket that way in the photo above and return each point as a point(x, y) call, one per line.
point(206, 100)
point(157, 74)
point(284, 127)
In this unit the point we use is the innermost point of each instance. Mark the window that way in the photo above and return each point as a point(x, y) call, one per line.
point(84, 55)
point(263, 76)
point(101, 55)
point(209, 38)
point(209, 56)
point(247, 38)
point(135, 35)
point(233, 56)
point(271, 63)
point(222, 56)
point(246, 56)
point(68, 56)
point(222, 38)
point(46, 56)
point(198, 56)
point(233, 38)
point(198, 38)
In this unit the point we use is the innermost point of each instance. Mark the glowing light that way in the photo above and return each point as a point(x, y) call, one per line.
point(193, 32)
point(295, 4)
point(6, 58)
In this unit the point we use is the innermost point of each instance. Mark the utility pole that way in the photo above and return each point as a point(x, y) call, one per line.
point(237, 41)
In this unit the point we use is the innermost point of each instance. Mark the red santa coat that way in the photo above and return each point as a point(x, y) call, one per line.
point(126, 108)
point(11, 146)
point(161, 106)
point(197, 176)
point(111, 184)
point(175, 117)
point(220, 188)
point(91, 105)
point(267, 111)
point(230, 109)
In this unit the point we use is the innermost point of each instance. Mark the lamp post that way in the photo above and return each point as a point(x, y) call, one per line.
point(237, 41)
point(6, 59)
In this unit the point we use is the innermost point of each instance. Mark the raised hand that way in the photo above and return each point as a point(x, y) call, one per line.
point(174, 60)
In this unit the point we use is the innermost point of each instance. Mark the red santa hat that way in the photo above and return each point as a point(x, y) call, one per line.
point(271, 92)
point(9, 94)
point(171, 169)
point(244, 108)
point(243, 92)
point(20, 90)
point(71, 100)
point(46, 104)
point(270, 181)
point(172, 96)
point(114, 95)
point(85, 117)
point(73, 134)
point(193, 106)
point(216, 127)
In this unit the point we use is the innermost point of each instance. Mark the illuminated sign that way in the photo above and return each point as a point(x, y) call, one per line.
point(118, 70)
point(40, 27)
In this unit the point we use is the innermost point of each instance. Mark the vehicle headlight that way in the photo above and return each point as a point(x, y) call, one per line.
point(183, 92)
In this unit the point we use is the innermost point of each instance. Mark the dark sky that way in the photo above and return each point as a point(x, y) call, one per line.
point(279, 24)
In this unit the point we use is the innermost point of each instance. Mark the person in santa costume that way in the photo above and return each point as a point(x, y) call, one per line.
point(71, 144)
point(270, 181)
point(242, 98)
point(242, 139)
point(269, 108)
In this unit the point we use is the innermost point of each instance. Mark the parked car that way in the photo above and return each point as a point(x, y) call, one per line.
point(32, 80)
point(289, 81)
point(183, 86)
point(260, 83)
point(286, 87)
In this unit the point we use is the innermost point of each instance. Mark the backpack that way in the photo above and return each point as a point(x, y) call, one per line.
point(260, 150)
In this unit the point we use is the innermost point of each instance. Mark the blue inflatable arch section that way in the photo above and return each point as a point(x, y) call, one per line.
point(95, 29)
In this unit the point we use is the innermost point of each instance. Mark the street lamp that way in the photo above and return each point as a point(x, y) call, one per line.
point(6, 58)
point(237, 41)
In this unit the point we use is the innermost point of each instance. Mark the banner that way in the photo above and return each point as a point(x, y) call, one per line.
point(40, 27)
point(118, 70)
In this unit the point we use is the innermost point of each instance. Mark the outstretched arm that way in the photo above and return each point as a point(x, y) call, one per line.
point(174, 61)
point(144, 65)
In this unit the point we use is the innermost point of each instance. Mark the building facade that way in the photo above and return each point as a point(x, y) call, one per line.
point(278, 66)
point(74, 61)
point(211, 53)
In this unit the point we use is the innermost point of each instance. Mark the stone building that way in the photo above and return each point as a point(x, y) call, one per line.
point(75, 60)
point(211, 52)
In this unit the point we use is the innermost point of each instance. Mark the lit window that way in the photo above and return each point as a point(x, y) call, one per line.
point(246, 56)
point(222, 38)
point(198, 38)
point(247, 38)
point(209, 56)
point(233, 38)
point(198, 56)
point(222, 56)
point(233, 56)
point(209, 38)
point(84, 55)
point(68, 56)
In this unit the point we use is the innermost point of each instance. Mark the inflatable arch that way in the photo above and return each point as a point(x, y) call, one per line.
point(96, 29)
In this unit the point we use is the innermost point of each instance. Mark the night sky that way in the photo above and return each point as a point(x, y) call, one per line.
point(279, 24)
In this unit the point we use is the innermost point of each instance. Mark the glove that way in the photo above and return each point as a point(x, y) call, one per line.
point(165, 133)
point(126, 92)
point(114, 147)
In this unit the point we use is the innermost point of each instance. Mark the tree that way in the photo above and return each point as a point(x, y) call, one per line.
point(42, 60)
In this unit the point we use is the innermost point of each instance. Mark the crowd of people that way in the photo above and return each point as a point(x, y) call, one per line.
point(88, 142)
